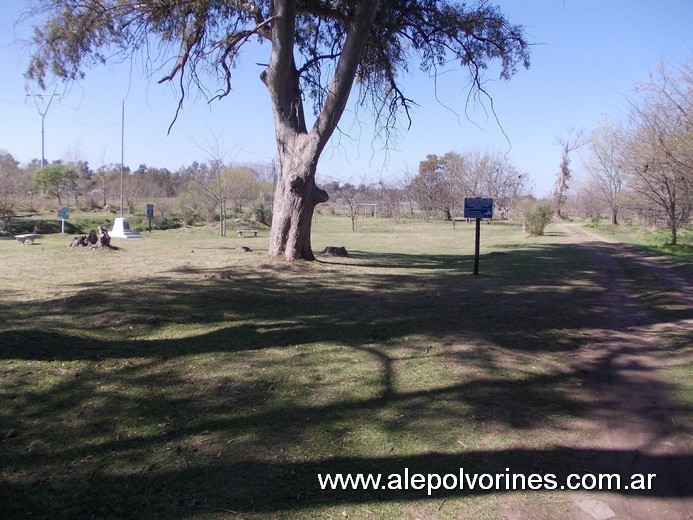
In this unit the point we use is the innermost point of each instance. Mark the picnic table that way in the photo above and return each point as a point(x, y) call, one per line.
point(27, 237)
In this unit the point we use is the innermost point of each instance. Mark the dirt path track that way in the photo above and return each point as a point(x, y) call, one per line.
point(632, 405)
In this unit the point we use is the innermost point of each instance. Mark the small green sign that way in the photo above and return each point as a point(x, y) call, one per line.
point(64, 212)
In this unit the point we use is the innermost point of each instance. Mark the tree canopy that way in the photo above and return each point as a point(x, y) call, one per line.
point(207, 35)
point(659, 150)
point(56, 179)
point(444, 182)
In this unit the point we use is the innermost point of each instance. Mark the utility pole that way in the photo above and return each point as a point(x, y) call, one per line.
point(122, 155)
point(43, 113)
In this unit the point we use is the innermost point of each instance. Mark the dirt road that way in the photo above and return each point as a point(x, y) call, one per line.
point(638, 423)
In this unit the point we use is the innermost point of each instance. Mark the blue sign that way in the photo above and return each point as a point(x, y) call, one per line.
point(478, 207)
point(63, 212)
point(150, 210)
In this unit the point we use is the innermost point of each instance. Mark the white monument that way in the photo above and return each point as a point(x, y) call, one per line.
point(121, 226)
point(121, 229)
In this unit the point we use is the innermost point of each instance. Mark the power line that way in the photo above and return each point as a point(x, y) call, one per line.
point(170, 147)
point(104, 125)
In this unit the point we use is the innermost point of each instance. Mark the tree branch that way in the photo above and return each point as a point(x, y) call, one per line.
point(345, 72)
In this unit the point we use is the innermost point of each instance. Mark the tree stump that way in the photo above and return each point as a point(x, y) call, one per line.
point(80, 241)
point(104, 238)
point(92, 239)
point(335, 251)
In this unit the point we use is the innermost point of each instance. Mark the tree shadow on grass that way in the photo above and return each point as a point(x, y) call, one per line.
point(254, 486)
point(232, 416)
point(510, 305)
point(133, 441)
point(399, 260)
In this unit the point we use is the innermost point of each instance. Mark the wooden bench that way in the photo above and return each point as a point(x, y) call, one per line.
point(248, 231)
point(30, 237)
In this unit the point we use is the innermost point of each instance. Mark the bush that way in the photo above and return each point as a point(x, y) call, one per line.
point(262, 214)
point(46, 226)
point(141, 222)
point(535, 218)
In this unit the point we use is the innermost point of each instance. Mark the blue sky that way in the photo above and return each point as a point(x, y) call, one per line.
point(587, 58)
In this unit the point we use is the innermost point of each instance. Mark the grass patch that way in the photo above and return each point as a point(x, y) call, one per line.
point(681, 376)
point(177, 377)
point(652, 241)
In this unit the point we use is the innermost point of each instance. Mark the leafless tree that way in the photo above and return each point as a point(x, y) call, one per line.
point(391, 197)
point(496, 177)
point(405, 184)
point(354, 196)
point(660, 150)
point(211, 183)
point(606, 166)
point(570, 143)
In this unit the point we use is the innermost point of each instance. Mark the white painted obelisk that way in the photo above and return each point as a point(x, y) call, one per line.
point(121, 226)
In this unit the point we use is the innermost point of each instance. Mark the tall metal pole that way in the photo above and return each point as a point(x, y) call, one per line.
point(43, 113)
point(122, 155)
point(43, 140)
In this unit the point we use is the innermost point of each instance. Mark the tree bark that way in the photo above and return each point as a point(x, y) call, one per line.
point(295, 198)
point(296, 193)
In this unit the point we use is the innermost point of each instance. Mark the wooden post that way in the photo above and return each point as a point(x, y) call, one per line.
point(476, 247)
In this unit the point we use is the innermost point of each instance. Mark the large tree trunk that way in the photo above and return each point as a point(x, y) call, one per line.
point(295, 198)
point(561, 186)
point(298, 149)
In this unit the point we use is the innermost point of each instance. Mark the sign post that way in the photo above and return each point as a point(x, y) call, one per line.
point(63, 213)
point(478, 208)
point(150, 215)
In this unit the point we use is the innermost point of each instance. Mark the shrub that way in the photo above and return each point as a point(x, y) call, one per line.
point(536, 217)
point(262, 214)
point(47, 226)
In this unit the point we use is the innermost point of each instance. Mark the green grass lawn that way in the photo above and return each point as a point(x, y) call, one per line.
point(178, 377)
point(652, 241)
